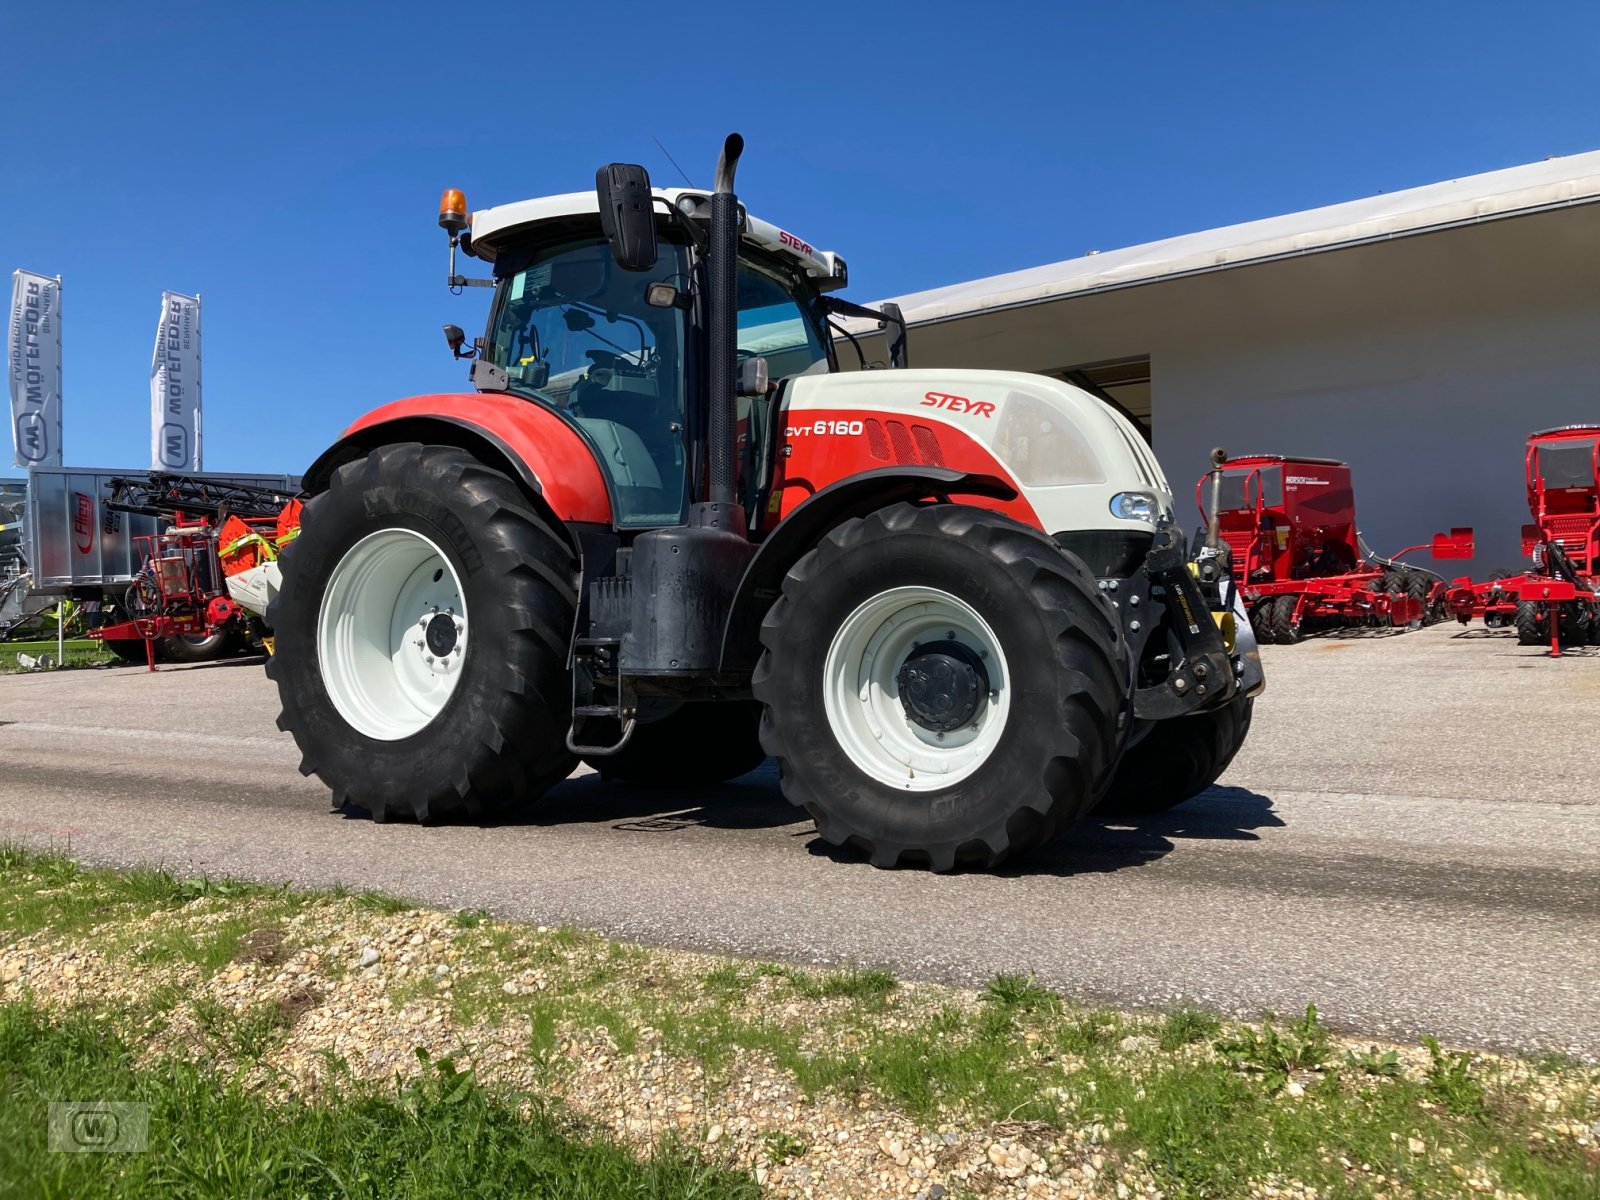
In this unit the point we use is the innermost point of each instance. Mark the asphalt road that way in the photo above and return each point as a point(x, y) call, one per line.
point(1410, 838)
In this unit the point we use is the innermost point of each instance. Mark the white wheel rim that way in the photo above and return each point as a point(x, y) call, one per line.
point(392, 634)
point(862, 697)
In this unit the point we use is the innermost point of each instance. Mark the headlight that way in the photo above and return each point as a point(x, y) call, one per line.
point(1134, 506)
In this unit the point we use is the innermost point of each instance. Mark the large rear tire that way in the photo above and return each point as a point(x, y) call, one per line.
point(944, 687)
point(697, 745)
point(1176, 761)
point(421, 637)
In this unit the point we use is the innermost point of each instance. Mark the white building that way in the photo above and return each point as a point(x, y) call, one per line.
point(1419, 336)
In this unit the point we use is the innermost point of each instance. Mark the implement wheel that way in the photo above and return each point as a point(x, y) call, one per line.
point(199, 647)
point(1530, 621)
point(943, 687)
point(696, 745)
point(421, 637)
point(1285, 629)
point(1496, 620)
point(1176, 761)
point(1418, 586)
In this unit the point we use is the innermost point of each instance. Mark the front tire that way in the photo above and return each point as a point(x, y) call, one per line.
point(421, 637)
point(1176, 761)
point(943, 686)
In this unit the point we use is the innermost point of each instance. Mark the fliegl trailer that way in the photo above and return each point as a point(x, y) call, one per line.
point(664, 534)
point(1298, 558)
point(1556, 599)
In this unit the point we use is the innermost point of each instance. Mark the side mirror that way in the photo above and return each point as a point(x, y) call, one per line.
point(894, 334)
point(627, 215)
point(1458, 543)
point(752, 379)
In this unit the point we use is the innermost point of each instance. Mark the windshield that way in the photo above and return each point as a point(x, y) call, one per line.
point(573, 331)
point(772, 325)
point(1568, 464)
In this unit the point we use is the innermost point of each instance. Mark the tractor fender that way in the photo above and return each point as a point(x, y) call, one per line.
point(533, 445)
point(810, 522)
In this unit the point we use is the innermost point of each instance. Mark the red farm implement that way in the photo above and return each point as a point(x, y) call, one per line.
point(179, 604)
point(1557, 599)
point(173, 596)
point(1289, 526)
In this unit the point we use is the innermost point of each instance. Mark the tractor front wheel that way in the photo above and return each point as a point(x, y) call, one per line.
point(421, 637)
point(1176, 761)
point(696, 745)
point(944, 687)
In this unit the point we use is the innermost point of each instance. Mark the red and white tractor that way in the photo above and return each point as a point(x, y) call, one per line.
point(665, 535)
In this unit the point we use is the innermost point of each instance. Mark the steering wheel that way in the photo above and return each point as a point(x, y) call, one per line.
point(605, 359)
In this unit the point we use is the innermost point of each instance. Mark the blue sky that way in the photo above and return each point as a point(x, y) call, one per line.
point(285, 160)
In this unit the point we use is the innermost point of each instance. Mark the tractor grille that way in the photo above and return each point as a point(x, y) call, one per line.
point(893, 441)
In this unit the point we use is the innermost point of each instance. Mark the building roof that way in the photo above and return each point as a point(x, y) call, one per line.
point(1554, 183)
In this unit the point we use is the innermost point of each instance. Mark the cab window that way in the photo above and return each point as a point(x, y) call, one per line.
point(774, 326)
point(574, 332)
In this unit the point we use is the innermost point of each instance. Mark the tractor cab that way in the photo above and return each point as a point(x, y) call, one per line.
point(1563, 475)
point(620, 352)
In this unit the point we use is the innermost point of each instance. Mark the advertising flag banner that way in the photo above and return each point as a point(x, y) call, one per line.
point(175, 386)
point(33, 361)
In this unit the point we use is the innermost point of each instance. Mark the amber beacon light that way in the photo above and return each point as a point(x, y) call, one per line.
point(453, 210)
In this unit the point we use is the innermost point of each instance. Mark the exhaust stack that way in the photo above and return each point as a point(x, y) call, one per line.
point(723, 302)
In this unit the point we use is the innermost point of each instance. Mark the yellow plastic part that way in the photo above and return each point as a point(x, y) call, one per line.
point(1227, 623)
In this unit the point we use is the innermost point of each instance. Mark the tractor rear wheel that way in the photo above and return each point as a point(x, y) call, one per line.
point(421, 637)
point(696, 745)
point(1176, 761)
point(1285, 630)
point(944, 687)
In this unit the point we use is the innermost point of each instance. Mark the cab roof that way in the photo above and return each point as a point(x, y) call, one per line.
point(493, 228)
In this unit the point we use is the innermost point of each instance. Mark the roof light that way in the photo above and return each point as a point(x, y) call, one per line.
point(453, 210)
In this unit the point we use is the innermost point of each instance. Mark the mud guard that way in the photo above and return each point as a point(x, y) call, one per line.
point(810, 522)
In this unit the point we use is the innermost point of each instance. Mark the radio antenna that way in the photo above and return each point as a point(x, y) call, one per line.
point(671, 160)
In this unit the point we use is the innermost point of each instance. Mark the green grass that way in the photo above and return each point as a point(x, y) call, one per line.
point(80, 652)
point(441, 1135)
point(1208, 1103)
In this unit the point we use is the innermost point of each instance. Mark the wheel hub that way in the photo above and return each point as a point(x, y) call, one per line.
point(942, 685)
point(441, 634)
